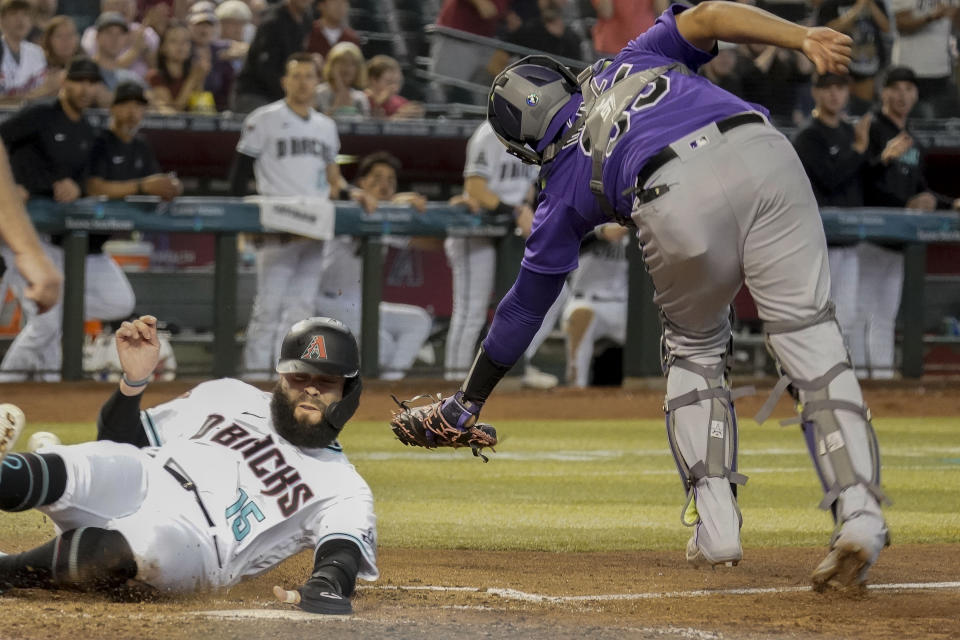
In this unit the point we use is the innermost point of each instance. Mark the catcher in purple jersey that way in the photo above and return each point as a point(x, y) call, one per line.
point(718, 197)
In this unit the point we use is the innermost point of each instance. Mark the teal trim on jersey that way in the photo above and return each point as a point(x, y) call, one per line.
point(149, 428)
point(334, 447)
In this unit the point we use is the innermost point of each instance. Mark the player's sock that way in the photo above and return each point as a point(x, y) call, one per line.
point(337, 562)
point(30, 480)
point(85, 558)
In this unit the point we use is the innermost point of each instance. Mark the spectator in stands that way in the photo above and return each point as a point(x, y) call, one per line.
point(235, 16)
point(61, 43)
point(832, 150)
point(344, 78)
point(282, 33)
point(620, 21)
point(404, 328)
point(43, 13)
point(866, 22)
point(480, 17)
point(177, 82)
point(384, 81)
point(272, 148)
point(331, 28)
point(923, 43)
point(112, 36)
point(23, 66)
point(549, 32)
point(143, 39)
point(722, 69)
point(122, 161)
point(203, 31)
point(775, 78)
point(49, 144)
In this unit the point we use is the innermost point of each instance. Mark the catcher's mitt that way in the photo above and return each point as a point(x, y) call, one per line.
point(425, 426)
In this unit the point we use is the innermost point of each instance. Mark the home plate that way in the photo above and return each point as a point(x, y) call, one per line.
point(267, 614)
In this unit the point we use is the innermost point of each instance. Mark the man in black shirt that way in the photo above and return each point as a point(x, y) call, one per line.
point(833, 150)
point(50, 145)
point(282, 33)
point(548, 32)
point(49, 141)
point(895, 174)
point(122, 162)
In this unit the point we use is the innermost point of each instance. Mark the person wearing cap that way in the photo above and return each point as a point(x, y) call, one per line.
point(112, 37)
point(833, 150)
point(282, 33)
point(203, 23)
point(331, 27)
point(23, 66)
point(49, 143)
point(833, 153)
point(922, 42)
point(123, 163)
point(234, 16)
point(870, 275)
point(142, 41)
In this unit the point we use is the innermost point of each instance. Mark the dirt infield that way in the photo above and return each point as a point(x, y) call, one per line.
point(464, 594)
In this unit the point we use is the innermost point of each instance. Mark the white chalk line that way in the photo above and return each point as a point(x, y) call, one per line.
point(514, 594)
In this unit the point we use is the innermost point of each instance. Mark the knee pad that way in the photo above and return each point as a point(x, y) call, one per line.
point(709, 438)
point(832, 414)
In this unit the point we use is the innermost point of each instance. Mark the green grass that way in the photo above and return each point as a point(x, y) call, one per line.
point(612, 485)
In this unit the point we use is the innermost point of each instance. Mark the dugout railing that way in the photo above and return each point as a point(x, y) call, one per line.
point(225, 218)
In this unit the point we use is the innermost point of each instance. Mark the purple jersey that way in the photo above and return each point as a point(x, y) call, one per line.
point(668, 109)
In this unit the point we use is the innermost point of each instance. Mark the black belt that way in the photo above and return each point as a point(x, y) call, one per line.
point(667, 154)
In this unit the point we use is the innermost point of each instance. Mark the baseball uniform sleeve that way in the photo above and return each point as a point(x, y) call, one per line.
point(554, 243)
point(664, 40)
point(480, 154)
point(252, 136)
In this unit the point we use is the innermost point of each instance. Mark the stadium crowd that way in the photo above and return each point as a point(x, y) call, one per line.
point(171, 56)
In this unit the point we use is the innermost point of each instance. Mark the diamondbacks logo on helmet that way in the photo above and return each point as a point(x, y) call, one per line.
point(316, 350)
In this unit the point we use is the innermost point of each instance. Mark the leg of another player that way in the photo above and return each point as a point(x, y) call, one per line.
point(107, 292)
point(37, 346)
point(301, 295)
point(844, 291)
point(881, 285)
point(408, 327)
point(579, 323)
point(275, 272)
point(472, 262)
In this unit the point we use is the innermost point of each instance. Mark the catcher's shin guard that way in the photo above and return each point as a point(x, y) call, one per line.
point(840, 438)
point(702, 431)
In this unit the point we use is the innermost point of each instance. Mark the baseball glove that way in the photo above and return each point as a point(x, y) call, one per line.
point(426, 426)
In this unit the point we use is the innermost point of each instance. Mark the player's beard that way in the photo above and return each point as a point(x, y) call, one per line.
point(299, 433)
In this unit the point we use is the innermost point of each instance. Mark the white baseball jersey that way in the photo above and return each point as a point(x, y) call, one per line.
point(602, 272)
point(18, 76)
point(239, 500)
point(292, 153)
point(506, 175)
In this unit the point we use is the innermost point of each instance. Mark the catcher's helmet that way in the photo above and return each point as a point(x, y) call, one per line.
point(524, 99)
point(320, 346)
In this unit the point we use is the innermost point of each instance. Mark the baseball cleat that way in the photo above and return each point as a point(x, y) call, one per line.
point(12, 422)
point(536, 379)
point(844, 568)
point(699, 559)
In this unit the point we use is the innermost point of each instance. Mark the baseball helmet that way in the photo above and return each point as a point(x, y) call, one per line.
point(524, 99)
point(320, 346)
